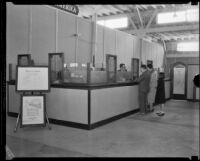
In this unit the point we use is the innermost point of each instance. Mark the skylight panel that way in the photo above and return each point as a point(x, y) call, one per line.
point(188, 46)
point(114, 23)
point(189, 15)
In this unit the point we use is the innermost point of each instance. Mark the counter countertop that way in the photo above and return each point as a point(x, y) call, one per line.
point(87, 86)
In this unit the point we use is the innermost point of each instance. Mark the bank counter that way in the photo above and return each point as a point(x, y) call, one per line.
point(72, 101)
point(84, 106)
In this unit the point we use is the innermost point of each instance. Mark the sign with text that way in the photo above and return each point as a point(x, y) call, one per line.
point(32, 78)
point(68, 8)
point(33, 110)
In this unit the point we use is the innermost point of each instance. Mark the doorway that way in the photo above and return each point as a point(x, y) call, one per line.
point(179, 81)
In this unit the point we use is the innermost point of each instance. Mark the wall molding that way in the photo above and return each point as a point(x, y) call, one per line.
point(182, 55)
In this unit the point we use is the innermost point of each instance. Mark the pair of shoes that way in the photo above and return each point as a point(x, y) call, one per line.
point(160, 113)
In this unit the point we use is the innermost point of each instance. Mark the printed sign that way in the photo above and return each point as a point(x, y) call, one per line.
point(32, 78)
point(33, 109)
point(69, 8)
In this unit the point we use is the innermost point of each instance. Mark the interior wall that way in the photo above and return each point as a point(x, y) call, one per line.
point(174, 56)
point(43, 34)
point(17, 33)
point(152, 51)
point(190, 59)
point(39, 30)
point(115, 42)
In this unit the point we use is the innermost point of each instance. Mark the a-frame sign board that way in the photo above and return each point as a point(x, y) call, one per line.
point(31, 82)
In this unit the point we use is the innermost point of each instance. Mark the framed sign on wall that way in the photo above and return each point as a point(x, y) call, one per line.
point(32, 78)
point(33, 110)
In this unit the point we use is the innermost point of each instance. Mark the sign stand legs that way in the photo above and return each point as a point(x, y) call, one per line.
point(18, 117)
point(17, 123)
point(47, 121)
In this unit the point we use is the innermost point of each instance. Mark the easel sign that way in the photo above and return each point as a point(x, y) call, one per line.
point(33, 110)
point(32, 78)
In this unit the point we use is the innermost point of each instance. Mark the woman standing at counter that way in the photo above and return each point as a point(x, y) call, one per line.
point(160, 94)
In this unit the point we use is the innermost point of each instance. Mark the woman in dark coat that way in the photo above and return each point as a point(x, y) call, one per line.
point(160, 93)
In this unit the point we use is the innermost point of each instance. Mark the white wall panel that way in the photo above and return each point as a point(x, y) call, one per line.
point(99, 56)
point(109, 41)
point(61, 105)
point(109, 102)
point(43, 33)
point(120, 48)
point(66, 40)
point(84, 49)
point(136, 47)
point(17, 32)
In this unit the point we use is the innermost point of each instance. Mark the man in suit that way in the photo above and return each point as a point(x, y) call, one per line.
point(144, 88)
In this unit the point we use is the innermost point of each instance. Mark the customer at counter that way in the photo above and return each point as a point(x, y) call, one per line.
point(143, 81)
point(153, 87)
point(160, 94)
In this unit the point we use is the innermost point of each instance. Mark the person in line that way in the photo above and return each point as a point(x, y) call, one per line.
point(143, 81)
point(122, 68)
point(153, 86)
point(160, 94)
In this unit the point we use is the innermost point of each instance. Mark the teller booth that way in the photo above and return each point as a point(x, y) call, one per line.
point(81, 95)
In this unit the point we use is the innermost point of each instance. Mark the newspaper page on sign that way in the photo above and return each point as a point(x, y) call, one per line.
point(32, 110)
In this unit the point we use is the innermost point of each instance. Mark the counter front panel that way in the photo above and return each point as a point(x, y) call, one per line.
point(109, 102)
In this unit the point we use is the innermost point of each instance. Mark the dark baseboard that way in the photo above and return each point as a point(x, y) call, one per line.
point(69, 124)
point(193, 100)
point(84, 126)
point(103, 122)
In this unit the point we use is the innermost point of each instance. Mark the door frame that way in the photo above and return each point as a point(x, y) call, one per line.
point(179, 96)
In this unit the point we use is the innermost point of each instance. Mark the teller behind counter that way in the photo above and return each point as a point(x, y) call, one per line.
point(123, 75)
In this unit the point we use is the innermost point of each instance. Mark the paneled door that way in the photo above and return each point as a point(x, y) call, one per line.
point(179, 72)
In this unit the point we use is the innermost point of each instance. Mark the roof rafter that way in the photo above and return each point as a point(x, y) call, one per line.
point(166, 29)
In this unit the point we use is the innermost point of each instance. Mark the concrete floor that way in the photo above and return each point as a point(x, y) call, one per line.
point(174, 135)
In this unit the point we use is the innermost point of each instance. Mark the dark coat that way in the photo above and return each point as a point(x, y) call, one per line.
point(144, 81)
point(160, 93)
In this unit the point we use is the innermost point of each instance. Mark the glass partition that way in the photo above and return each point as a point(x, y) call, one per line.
point(111, 67)
point(84, 73)
point(135, 68)
point(56, 61)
